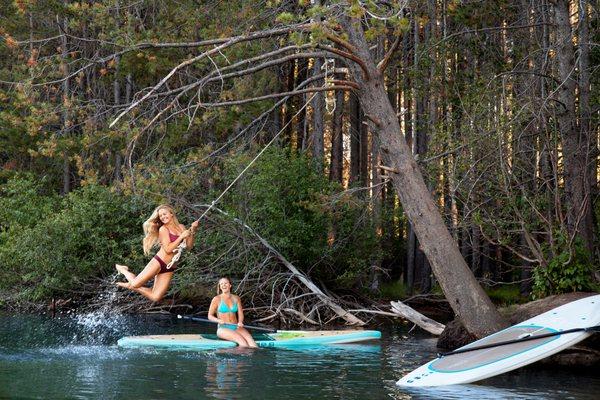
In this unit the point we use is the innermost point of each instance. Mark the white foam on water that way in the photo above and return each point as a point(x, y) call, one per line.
point(103, 323)
point(97, 352)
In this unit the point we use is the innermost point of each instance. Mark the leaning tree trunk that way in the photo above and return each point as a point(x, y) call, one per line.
point(466, 297)
point(422, 267)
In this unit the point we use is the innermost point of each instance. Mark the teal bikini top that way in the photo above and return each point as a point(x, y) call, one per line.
point(224, 308)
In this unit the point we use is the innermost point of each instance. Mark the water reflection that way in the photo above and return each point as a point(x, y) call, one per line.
point(225, 372)
point(340, 349)
point(479, 392)
point(76, 357)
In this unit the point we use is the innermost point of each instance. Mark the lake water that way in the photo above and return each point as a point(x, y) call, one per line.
point(76, 357)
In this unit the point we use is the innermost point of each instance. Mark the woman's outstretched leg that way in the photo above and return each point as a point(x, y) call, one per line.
point(124, 270)
point(136, 281)
point(158, 290)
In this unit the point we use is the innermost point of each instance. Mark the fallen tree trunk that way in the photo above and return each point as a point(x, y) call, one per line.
point(417, 318)
point(413, 316)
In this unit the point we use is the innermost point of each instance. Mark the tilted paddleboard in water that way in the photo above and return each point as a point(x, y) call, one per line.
point(283, 339)
point(528, 341)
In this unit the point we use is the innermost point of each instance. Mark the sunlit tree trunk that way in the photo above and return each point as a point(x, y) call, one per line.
point(337, 139)
point(355, 132)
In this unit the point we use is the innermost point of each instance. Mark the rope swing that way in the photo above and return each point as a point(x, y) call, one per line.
point(182, 246)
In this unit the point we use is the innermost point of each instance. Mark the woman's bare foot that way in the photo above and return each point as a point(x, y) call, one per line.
point(125, 285)
point(122, 268)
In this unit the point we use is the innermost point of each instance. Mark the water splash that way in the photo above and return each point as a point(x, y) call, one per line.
point(102, 324)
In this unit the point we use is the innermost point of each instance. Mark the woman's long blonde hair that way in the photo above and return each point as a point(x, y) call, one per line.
point(152, 225)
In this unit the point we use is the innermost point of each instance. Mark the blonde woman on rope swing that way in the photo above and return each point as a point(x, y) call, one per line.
point(164, 229)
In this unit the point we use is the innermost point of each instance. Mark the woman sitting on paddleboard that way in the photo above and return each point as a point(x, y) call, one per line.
point(226, 309)
point(161, 228)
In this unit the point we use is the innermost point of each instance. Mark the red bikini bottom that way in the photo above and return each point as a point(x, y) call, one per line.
point(163, 266)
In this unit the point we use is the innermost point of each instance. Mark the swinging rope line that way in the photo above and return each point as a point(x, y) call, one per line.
point(179, 250)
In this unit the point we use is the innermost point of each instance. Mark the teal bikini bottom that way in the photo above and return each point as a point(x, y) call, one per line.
point(233, 327)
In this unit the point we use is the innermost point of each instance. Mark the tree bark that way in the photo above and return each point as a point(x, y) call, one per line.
point(466, 297)
point(406, 91)
point(117, 101)
point(301, 126)
point(585, 111)
point(575, 145)
point(66, 99)
point(337, 139)
point(376, 195)
point(420, 149)
point(355, 123)
point(411, 244)
point(364, 152)
point(318, 104)
point(288, 111)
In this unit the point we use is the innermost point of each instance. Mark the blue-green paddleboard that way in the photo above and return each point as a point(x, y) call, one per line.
point(283, 339)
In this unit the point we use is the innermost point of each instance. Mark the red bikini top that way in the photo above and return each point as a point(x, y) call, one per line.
point(173, 237)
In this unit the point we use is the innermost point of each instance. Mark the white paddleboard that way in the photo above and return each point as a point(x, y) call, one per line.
point(480, 364)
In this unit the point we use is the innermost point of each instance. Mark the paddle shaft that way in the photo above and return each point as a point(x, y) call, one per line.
point(525, 339)
point(199, 319)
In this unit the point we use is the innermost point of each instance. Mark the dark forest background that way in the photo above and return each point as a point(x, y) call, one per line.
point(498, 100)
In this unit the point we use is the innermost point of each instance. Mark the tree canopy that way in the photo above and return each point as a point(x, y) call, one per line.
point(408, 139)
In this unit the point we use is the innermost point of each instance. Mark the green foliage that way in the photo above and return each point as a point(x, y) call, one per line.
point(505, 294)
point(375, 31)
point(25, 201)
point(356, 10)
point(82, 237)
point(393, 290)
point(402, 24)
point(569, 271)
point(317, 34)
point(317, 12)
point(479, 129)
point(278, 196)
point(298, 38)
point(299, 212)
point(286, 18)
